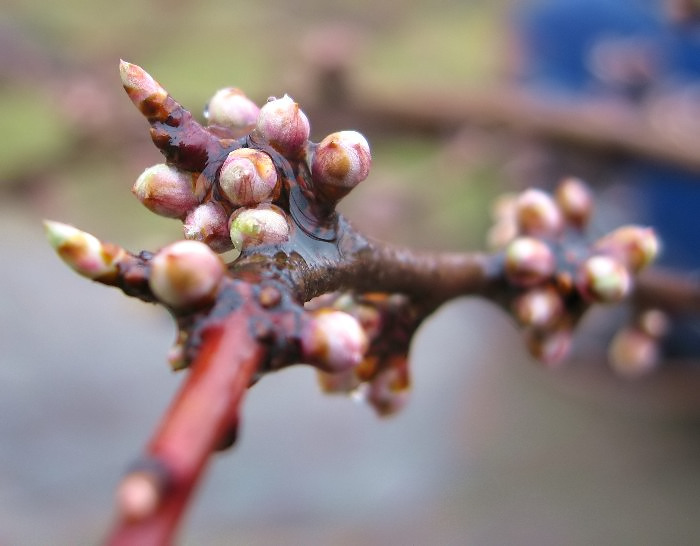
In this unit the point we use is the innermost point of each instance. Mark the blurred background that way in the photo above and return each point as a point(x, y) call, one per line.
point(460, 101)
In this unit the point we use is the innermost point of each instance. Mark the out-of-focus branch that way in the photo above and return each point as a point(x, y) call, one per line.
point(602, 128)
point(202, 417)
point(668, 290)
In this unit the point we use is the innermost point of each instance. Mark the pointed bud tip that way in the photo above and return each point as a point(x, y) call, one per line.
point(83, 252)
point(140, 85)
point(58, 233)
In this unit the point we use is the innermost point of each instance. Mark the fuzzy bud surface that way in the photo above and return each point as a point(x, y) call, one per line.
point(168, 191)
point(185, 273)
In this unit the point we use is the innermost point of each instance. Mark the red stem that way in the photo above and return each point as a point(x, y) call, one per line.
point(198, 421)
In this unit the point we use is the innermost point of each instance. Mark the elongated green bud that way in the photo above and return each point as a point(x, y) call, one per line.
point(84, 252)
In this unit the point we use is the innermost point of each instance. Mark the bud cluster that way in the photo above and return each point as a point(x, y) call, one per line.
point(238, 203)
point(548, 262)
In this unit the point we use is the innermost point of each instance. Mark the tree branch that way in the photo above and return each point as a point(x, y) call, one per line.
point(199, 421)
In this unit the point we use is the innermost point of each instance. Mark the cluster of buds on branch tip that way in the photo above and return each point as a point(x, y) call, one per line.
point(555, 271)
point(305, 286)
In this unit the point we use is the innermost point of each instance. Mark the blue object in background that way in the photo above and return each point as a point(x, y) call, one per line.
point(628, 50)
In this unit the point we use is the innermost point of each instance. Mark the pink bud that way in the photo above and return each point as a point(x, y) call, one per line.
point(333, 340)
point(633, 353)
point(536, 213)
point(83, 252)
point(139, 495)
point(575, 201)
point(603, 279)
point(208, 223)
point(168, 191)
point(282, 123)
point(141, 87)
point(389, 391)
point(248, 177)
point(528, 261)
point(550, 347)
point(185, 274)
point(230, 108)
point(635, 246)
point(539, 307)
point(263, 225)
point(341, 161)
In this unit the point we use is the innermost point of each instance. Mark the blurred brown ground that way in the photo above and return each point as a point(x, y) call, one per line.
point(491, 450)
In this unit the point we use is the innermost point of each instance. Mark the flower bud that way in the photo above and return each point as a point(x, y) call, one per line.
point(84, 252)
point(632, 353)
point(168, 191)
point(230, 108)
point(141, 87)
point(654, 323)
point(333, 340)
point(603, 279)
point(185, 274)
point(341, 161)
point(528, 261)
point(263, 225)
point(575, 201)
point(282, 123)
point(536, 213)
point(248, 177)
point(539, 307)
point(635, 246)
point(550, 347)
point(388, 392)
point(139, 495)
point(208, 224)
